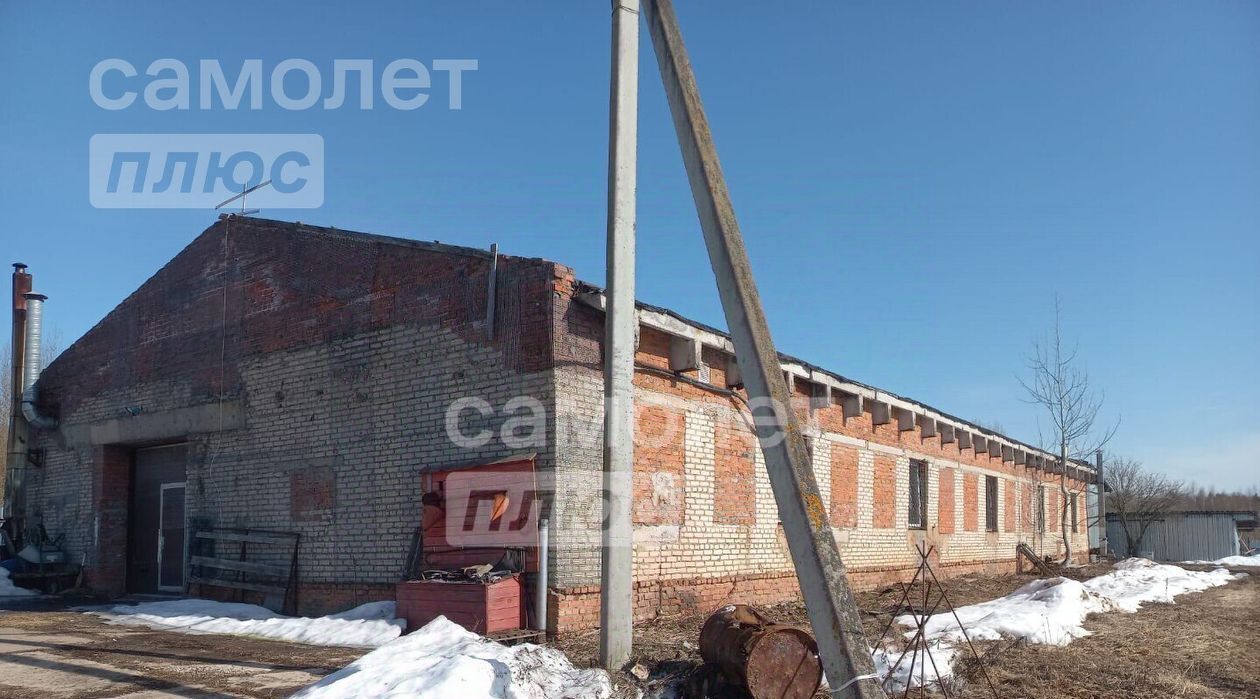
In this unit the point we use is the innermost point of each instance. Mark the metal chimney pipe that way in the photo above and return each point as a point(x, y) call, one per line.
point(34, 337)
point(21, 287)
point(15, 460)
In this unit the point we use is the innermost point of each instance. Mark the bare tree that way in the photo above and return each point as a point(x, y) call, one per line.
point(1060, 386)
point(1139, 497)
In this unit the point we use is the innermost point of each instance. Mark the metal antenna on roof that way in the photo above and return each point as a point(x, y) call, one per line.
point(241, 196)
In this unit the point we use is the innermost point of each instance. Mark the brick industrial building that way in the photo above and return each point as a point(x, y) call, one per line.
point(299, 379)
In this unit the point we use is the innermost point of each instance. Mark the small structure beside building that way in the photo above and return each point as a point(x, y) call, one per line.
point(1185, 536)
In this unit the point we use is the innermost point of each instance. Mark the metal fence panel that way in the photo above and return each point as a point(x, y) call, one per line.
point(1180, 537)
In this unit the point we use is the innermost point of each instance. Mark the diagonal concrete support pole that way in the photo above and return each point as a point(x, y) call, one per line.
point(833, 613)
point(616, 592)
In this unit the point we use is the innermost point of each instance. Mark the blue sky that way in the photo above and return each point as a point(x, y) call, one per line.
point(915, 180)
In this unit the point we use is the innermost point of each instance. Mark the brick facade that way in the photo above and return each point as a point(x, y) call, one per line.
point(314, 409)
point(320, 401)
point(718, 553)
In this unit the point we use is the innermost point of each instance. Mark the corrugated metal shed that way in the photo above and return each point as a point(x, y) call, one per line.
point(1095, 522)
point(1183, 536)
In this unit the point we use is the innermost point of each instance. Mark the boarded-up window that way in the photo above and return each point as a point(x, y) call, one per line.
point(884, 508)
point(844, 469)
point(945, 501)
point(734, 491)
point(658, 465)
point(1009, 498)
point(1041, 508)
point(971, 502)
point(991, 503)
point(312, 493)
point(918, 495)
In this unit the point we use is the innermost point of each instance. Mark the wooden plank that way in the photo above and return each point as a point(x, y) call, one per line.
point(1023, 551)
point(242, 566)
point(235, 585)
point(282, 539)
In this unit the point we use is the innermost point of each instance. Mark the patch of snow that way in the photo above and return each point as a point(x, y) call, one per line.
point(1231, 561)
point(1046, 611)
point(443, 660)
point(8, 589)
point(927, 671)
point(1050, 611)
point(1138, 580)
point(368, 625)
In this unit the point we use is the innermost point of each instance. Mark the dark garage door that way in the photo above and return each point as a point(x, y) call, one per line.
point(155, 543)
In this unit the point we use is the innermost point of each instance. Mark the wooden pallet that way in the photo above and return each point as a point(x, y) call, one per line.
point(518, 636)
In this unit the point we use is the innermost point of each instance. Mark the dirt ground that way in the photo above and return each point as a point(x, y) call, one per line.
point(71, 655)
point(1206, 646)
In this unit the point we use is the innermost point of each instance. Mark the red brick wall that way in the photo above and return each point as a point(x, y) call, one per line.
point(1029, 497)
point(1082, 512)
point(884, 509)
point(111, 491)
point(577, 609)
point(1008, 497)
point(844, 478)
point(1052, 508)
point(289, 286)
point(312, 492)
point(734, 499)
point(658, 465)
point(945, 501)
point(970, 502)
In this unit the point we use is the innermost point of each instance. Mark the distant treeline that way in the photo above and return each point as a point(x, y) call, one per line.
point(1197, 497)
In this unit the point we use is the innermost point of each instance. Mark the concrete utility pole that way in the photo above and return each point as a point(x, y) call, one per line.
point(616, 593)
point(833, 613)
point(1102, 505)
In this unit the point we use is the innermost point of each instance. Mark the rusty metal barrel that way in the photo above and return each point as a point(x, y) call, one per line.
point(772, 661)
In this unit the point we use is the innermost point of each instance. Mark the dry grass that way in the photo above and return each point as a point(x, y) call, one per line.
point(1207, 646)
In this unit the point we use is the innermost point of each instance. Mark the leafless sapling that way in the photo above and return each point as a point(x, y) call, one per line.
point(1060, 386)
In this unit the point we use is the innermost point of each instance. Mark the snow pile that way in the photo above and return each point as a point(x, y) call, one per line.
point(445, 661)
point(369, 625)
point(1043, 611)
point(1050, 611)
point(8, 589)
point(1230, 561)
point(1138, 580)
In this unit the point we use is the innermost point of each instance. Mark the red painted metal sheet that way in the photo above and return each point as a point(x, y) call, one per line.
point(459, 531)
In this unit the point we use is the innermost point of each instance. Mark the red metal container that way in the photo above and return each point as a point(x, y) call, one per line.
point(482, 608)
